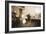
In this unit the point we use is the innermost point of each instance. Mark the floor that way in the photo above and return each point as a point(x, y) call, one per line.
point(32, 23)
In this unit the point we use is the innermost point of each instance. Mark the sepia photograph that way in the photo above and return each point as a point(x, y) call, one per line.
point(26, 16)
point(23, 16)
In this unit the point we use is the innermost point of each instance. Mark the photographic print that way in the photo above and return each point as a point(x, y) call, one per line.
point(26, 16)
point(23, 16)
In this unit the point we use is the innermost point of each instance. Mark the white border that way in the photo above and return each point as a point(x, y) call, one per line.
point(24, 28)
